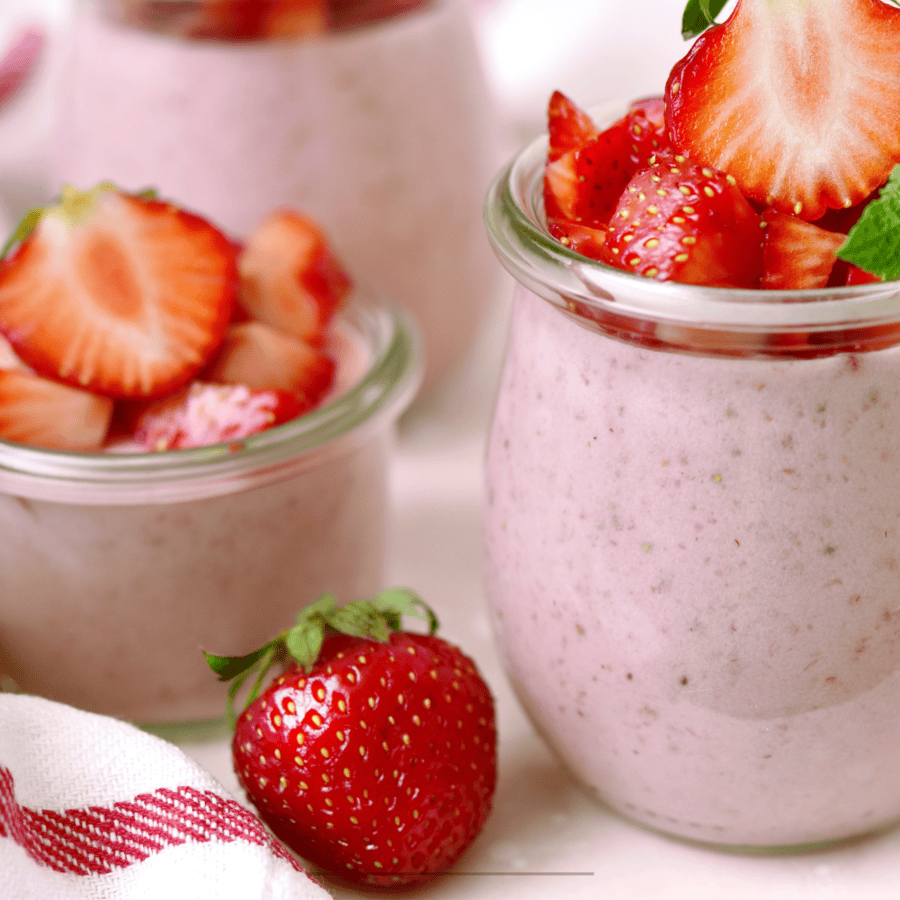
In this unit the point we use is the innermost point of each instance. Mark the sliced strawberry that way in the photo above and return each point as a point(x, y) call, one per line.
point(646, 124)
point(290, 277)
point(796, 254)
point(587, 170)
point(583, 185)
point(121, 295)
point(206, 414)
point(682, 222)
point(797, 100)
point(856, 275)
point(259, 356)
point(568, 126)
point(44, 413)
point(580, 238)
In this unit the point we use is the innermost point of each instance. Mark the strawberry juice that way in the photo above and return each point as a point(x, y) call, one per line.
point(692, 529)
point(382, 131)
point(118, 569)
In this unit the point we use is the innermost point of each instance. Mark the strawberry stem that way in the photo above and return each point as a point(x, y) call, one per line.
point(698, 16)
point(375, 619)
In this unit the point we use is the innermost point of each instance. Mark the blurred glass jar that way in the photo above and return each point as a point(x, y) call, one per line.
point(118, 568)
point(373, 116)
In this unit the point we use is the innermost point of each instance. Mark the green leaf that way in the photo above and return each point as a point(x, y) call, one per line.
point(228, 667)
point(873, 243)
point(405, 602)
point(698, 16)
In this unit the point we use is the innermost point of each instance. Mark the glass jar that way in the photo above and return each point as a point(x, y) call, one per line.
point(118, 569)
point(692, 530)
point(372, 116)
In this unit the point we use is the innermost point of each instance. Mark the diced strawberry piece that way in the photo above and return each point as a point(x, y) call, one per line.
point(568, 126)
point(44, 413)
point(797, 255)
point(259, 356)
point(206, 414)
point(587, 170)
point(251, 20)
point(117, 294)
point(646, 124)
point(796, 100)
point(291, 278)
point(583, 185)
point(683, 222)
point(580, 238)
point(856, 275)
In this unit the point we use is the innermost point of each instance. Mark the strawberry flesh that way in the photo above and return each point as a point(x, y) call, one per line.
point(261, 357)
point(44, 413)
point(205, 414)
point(797, 255)
point(796, 100)
point(688, 223)
point(120, 295)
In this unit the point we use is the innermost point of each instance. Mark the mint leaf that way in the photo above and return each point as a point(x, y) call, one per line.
point(873, 243)
point(698, 16)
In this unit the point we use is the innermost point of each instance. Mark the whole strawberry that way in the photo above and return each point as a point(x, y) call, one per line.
point(373, 754)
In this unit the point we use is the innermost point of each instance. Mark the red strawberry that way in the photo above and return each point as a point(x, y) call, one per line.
point(568, 126)
point(797, 255)
point(580, 238)
point(683, 222)
point(646, 124)
point(797, 100)
point(259, 356)
point(373, 757)
point(205, 414)
point(290, 277)
point(117, 294)
point(44, 413)
point(587, 171)
point(855, 275)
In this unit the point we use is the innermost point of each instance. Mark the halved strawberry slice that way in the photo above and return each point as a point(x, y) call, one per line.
point(797, 100)
point(121, 295)
point(290, 276)
point(259, 356)
point(797, 255)
point(44, 413)
point(682, 222)
point(206, 414)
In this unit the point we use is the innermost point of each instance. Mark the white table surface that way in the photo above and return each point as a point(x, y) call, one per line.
point(545, 837)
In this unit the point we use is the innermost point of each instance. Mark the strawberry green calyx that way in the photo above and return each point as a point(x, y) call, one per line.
point(698, 16)
point(873, 243)
point(375, 619)
point(73, 206)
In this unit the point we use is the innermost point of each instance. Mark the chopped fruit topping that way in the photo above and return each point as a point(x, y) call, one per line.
point(580, 238)
point(290, 277)
point(586, 170)
point(373, 755)
point(45, 413)
point(683, 222)
point(568, 126)
point(205, 414)
point(797, 255)
point(122, 295)
point(797, 100)
point(260, 356)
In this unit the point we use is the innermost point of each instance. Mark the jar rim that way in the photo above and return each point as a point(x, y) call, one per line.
point(514, 218)
point(371, 404)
